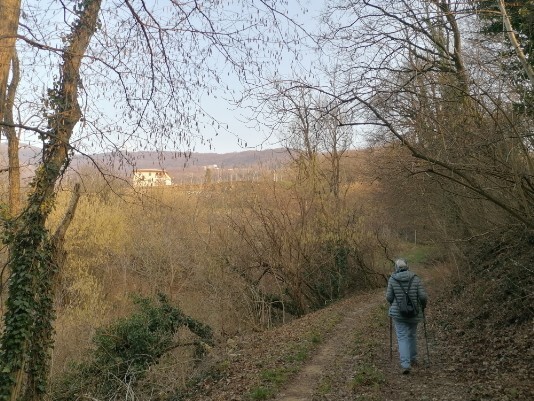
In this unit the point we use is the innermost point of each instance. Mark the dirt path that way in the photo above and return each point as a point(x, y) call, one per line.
point(355, 364)
point(342, 353)
point(303, 386)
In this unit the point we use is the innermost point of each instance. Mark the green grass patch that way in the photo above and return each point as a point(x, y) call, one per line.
point(299, 355)
point(367, 376)
point(294, 354)
point(260, 393)
point(275, 376)
point(417, 254)
point(325, 386)
point(271, 380)
point(316, 338)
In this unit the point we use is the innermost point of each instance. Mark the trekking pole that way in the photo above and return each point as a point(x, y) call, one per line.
point(390, 338)
point(426, 339)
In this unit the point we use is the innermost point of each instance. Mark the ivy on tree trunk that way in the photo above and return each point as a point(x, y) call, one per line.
point(27, 337)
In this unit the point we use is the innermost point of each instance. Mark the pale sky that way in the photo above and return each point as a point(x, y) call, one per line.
point(236, 132)
point(240, 133)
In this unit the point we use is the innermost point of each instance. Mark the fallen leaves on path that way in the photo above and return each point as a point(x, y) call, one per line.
point(347, 345)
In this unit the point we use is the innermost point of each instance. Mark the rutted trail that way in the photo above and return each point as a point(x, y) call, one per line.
point(354, 363)
point(303, 386)
point(342, 353)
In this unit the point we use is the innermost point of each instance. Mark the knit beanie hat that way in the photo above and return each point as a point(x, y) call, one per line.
point(401, 265)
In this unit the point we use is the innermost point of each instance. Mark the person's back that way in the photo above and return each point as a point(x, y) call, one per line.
point(406, 327)
point(398, 283)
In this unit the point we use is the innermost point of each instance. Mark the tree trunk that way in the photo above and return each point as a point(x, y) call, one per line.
point(27, 336)
point(58, 257)
point(13, 140)
point(9, 23)
point(515, 43)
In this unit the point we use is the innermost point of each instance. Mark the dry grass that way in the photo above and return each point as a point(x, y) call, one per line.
point(179, 241)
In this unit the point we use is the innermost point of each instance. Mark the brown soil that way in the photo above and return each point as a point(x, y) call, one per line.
point(343, 353)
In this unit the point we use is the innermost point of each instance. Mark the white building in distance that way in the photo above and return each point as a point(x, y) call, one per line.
point(151, 177)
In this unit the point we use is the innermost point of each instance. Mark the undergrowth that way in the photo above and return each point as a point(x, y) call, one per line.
point(499, 283)
point(124, 351)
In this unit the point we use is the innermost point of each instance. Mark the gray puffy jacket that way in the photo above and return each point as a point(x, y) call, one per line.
point(417, 293)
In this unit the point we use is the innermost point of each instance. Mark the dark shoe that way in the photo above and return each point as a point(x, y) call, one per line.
point(406, 371)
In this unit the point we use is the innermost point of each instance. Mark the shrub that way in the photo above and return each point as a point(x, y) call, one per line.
point(125, 350)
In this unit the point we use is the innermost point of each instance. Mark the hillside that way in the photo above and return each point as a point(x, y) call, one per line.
point(172, 161)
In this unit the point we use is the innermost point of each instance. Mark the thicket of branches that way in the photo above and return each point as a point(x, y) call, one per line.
point(443, 88)
point(238, 256)
point(446, 87)
point(63, 67)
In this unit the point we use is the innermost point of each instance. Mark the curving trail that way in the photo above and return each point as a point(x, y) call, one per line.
point(354, 363)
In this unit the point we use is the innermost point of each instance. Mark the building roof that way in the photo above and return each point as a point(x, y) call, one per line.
point(148, 169)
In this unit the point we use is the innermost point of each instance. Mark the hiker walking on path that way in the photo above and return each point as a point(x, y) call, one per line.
point(407, 298)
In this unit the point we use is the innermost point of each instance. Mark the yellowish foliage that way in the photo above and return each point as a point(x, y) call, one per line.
point(206, 247)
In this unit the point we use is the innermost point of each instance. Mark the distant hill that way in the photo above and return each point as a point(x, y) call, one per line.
point(172, 161)
point(178, 165)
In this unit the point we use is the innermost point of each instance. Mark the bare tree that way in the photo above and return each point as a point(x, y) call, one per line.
point(515, 43)
point(152, 62)
point(311, 130)
point(27, 334)
point(9, 21)
point(13, 139)
point(438, 97)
